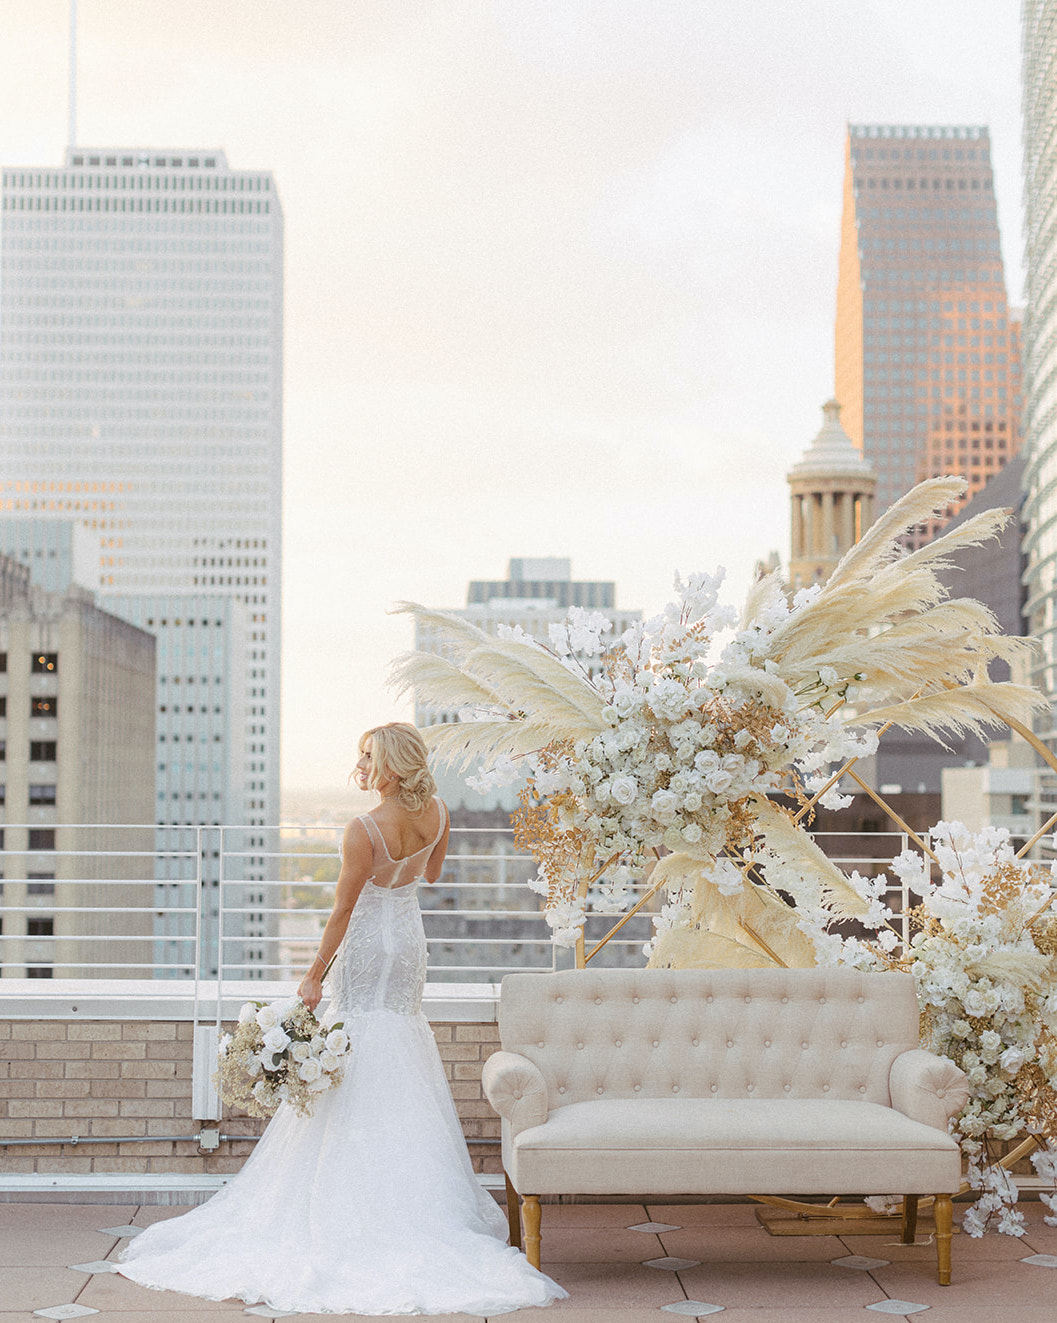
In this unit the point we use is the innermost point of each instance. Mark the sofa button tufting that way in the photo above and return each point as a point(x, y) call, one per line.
point(749, 1088)
point(860, 1000)
point(580, 1045)
point(785, 1087)
point(637, 1088)
point(694, 1042)
point(748, 1000)
point(634, 1001)
point(673, 1000)
point(709, 999)
point(822, 1001)
point(844, 1042)
point(561, 1088)
point(784, 1000)
point(618, 1043)
point(519, 1096)
point(558, 998)
point(767, 1042)
point(862, 1088)
point(941, 1093)
point(713, 1088)
point(730, 1042)
point(880, 1042)
point(598, 1001)
point(539, 1044)
point(825, 1088)
point(804, 1046)
point(599, 1089)
point(675, 1088)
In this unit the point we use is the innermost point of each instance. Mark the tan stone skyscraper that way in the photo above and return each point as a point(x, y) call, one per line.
point(832, 491)
point(927, 351)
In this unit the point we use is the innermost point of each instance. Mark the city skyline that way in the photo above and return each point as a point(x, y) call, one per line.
point(556, 284)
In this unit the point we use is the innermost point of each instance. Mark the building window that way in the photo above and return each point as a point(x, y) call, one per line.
point(42, 838)
point(40, 927)
point(45, 663)
point(3, 661)
point(42, 794)
point(3, 751)
point(44, 707)
point(40, 971)
point(3, 705)
point(42, 751)
point(40, 884)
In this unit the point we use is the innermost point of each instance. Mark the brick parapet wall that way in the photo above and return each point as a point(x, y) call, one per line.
point(103, 1079)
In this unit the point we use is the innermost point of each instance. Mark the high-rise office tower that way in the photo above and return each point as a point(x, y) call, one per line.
point(141, 395)
point(927, 350)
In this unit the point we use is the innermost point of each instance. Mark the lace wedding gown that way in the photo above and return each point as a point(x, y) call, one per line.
point(370, 1205)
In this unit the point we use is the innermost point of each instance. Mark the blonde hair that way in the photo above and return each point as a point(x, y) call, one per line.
point(399, 752)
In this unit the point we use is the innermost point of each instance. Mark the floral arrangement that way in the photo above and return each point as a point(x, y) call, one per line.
point(279, 1053)
point(649, 742)
point(983, 951)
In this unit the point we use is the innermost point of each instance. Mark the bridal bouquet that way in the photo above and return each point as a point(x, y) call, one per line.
point(279, 1053)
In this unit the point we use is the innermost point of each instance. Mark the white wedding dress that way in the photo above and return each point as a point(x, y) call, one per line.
point(370, 1205)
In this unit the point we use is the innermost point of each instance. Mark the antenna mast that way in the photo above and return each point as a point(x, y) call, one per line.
point(71, 123)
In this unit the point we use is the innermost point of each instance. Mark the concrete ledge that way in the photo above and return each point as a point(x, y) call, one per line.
point(134, 1188)
point(163, 999)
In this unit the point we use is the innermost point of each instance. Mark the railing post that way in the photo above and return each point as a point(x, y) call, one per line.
point(205, 1101)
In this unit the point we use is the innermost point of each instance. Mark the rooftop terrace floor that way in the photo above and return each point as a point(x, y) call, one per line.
point(51, 1255)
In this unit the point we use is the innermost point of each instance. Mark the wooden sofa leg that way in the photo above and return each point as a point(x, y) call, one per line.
point(531, 1209)
point(943, 1213)
point(910, 1218)
point(513, 1213)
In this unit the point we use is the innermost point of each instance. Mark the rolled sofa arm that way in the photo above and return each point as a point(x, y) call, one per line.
point(516, 1089)
point(927, 1088)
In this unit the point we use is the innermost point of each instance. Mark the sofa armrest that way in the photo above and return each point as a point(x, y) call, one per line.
point(516, 1089)
point(927, 1088)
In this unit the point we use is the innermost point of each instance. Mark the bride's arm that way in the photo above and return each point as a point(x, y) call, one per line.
point(356, 861)
point(435, 862)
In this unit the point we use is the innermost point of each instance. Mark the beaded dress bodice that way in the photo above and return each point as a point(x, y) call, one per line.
point(382, 960)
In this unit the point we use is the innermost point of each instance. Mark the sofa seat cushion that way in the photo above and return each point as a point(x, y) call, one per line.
point(727, 1146)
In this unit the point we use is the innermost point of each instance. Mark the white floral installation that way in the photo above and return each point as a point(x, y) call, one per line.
point(656, 745)
point(983, 952)
point(279, 1053)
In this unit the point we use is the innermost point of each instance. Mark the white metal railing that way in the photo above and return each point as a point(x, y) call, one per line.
point(248, 903)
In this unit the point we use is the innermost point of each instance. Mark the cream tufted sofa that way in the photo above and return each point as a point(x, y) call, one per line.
point(754, 1081)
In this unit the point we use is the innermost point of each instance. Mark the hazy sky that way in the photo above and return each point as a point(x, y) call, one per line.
point(560, 274)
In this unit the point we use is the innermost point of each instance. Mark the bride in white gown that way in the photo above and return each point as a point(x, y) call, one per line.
point(370, 1205)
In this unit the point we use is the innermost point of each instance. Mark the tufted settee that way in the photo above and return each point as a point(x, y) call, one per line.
point(740, 1081)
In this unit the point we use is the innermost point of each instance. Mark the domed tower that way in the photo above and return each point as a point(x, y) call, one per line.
point(832, 491)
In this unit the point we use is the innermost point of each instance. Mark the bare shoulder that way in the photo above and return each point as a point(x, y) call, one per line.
point(356, 840)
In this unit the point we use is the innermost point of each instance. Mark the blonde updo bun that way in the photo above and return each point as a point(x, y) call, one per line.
point(398, 752)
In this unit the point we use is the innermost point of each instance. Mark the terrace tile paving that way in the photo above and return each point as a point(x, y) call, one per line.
point(597, 1256)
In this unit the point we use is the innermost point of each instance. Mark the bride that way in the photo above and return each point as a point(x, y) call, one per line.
point(369, 1205)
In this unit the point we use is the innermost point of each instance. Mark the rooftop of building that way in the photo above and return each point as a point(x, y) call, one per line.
point(57, 1261)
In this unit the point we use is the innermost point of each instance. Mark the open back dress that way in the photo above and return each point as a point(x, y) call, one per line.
point(370, 1205)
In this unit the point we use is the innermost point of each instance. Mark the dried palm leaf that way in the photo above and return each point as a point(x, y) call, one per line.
point(679, 948)
point(1026, 969)
point(456, 633)
point(439, 683)
point(797, 850)
point(531, 680)
point(464, 743)
point(969, 708)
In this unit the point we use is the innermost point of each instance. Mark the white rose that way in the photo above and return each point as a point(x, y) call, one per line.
point(623, 790)
point(247, 1013)
point(309, 1070)
point(267, 1017)
point(337, 1041)
point(276, 1039)
point(664, 805)
point(719, 781)
point(321, 1085)
point(1012, 1059)
point(223, 1045)
point(691, 833)
point(329, 1062)
point(300, 1051)
point(828, 675)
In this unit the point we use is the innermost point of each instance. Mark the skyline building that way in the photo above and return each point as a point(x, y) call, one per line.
point(141, 316)
point(1039, 54)
point(927, 351)
point(76, 776)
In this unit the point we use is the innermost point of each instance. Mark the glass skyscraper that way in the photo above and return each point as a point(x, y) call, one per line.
point(927, 352)
point(141, 323)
